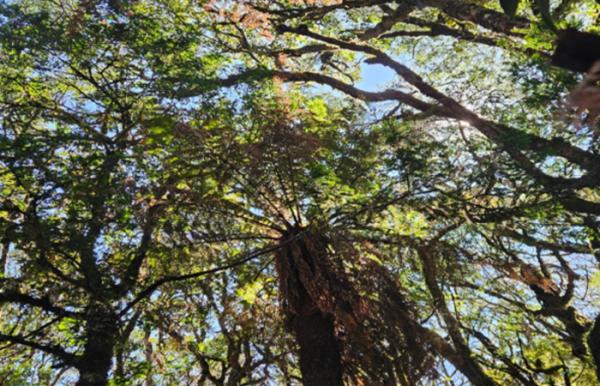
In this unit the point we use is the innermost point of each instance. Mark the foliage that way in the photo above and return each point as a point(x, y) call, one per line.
point(190, 192)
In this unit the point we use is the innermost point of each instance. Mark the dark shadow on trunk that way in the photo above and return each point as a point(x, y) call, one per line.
point(313, 328)
point(320, 359)
point(101, 337)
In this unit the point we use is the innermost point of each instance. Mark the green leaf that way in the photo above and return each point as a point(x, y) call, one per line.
point(249, 292)
point(318, 108)
point(509, 6)
point(544, 8)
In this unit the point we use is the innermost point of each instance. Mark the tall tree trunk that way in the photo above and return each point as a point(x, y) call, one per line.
point(101, 337)
point(312, 327)
point(320, 359)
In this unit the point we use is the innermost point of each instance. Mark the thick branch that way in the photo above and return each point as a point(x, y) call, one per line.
point(43, 303)
point(57, 351)
point(485, 17)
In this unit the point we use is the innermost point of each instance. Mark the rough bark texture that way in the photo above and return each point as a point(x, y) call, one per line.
point(312, 327)
point(101, 337)
point(320, 359)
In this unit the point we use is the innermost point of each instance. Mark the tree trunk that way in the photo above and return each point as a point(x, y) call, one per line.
point(312, 327)
point(320, 359)
point(101, 337)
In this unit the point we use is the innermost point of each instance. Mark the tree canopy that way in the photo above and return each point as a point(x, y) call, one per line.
point(299, 192)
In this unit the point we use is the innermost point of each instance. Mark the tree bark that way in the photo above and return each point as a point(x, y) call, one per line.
point(320, 359)
point(312, 326)
point(101, 337)
point(485, 17)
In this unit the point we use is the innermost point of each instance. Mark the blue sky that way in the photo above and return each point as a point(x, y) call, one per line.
point(374, 77)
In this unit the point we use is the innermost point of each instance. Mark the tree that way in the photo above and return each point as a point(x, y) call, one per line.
point(85, 188)
point(204, 193)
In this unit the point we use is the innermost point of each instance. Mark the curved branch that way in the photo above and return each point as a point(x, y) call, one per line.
point(173, 278)
point(57, 351)
point(43, 303)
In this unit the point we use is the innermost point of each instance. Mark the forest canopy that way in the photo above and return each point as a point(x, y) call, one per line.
point(299, 192)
